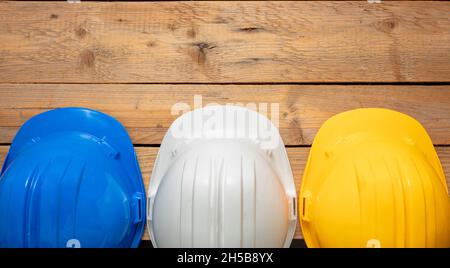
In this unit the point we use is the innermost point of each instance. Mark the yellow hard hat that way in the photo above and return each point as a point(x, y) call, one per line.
point(373, 179)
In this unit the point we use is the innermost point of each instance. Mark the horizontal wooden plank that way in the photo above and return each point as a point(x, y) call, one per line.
point(145, 110)
point(297, 158)
point(370, 1)
point(185, 42)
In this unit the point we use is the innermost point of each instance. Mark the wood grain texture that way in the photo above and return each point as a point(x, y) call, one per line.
point(297, 158)
point(224, 42)
point(145, 110)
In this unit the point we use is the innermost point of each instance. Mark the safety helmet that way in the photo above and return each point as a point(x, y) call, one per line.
point(222, 179)
point(373, 179)
point(71, 179)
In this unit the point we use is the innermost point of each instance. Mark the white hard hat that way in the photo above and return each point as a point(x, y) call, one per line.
point(222, 179)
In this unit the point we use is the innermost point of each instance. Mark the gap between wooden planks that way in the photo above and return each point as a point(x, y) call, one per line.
point(145, 110)
point(185, 42)
point(297, 158)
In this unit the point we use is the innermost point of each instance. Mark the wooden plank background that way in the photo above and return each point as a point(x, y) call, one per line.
point(223, 42)
point(145, 110)
point(135, 60)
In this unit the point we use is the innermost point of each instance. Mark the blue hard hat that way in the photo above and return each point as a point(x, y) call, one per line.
point(71, 179)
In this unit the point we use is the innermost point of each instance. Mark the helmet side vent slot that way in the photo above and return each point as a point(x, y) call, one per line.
point(294, 208)
point(303, 207)
point(305, 204)
point(137, 200)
